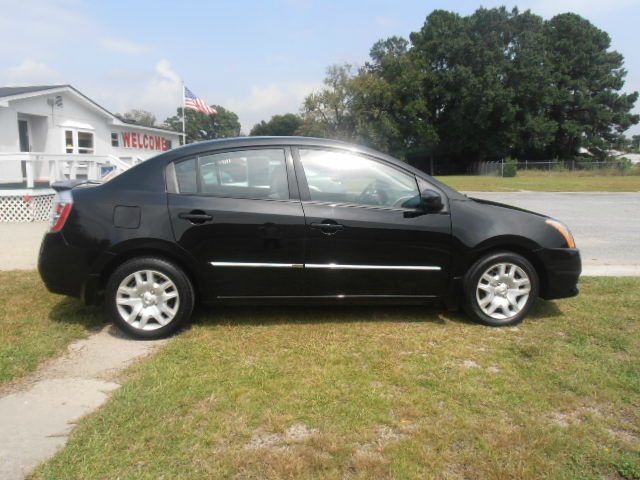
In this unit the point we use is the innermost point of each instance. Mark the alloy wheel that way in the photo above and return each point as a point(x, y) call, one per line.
point(147, 300)
point(503, 291)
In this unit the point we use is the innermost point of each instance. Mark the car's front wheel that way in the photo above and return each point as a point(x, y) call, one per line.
point(149, 297)
point(500, 289)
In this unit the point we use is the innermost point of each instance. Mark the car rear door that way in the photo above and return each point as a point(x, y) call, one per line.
point(365, 236)
point(238, 213)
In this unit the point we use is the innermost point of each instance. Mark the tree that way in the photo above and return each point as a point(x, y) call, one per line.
point(327, 113)
point(141, 117)
point(206, 127)
point(279, 125)
point(528, 78)
point(588, 109)
point(389, 115)
point(470, 67)
point(635, 142)
point(621, 143)
point(480, 87)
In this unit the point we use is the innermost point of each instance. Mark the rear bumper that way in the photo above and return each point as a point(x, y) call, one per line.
point(563, 267)
point(62, 267)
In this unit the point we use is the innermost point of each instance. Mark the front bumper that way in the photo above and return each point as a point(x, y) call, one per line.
point(562, 267)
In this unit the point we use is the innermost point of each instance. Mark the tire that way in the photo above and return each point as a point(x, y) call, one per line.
point(487, 287)
point(149, 297)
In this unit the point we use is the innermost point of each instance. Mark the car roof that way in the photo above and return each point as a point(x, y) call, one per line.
point(239, 142)
point(207, 146)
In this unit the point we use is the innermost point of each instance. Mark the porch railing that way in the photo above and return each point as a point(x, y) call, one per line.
point(29, 168)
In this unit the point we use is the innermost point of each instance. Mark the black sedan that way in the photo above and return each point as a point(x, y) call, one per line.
point(284, 220)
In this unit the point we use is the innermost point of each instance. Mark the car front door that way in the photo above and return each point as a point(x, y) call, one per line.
point(366, 236)
point(238, 213)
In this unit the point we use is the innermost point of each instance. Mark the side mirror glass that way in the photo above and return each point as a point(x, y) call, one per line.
point(431, 201)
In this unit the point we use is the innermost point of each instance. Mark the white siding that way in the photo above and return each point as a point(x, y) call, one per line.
point(47, 132)
point(8, 130)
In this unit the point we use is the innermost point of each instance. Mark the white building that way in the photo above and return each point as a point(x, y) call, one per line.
point(54, 132)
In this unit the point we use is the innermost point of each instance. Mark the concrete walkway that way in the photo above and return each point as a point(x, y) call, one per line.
point(37, 417)
point(20, 244)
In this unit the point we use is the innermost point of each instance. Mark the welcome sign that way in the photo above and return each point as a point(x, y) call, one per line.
point(144, 141)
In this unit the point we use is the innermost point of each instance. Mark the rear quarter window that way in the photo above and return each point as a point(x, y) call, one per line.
point(186, 176)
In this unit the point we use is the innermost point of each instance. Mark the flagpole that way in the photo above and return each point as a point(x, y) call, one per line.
point(184, 122)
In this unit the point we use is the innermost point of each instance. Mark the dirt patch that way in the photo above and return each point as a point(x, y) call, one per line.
point(470, 364)
point(386, 435)
point(626, 436)
point(296, 433)
point(575, 417)
point(615, 476)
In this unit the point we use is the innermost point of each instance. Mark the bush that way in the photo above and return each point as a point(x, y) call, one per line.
point(625, 165)
point(510, 168)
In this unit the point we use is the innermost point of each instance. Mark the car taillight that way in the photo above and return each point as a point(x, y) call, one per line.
point(61, 209)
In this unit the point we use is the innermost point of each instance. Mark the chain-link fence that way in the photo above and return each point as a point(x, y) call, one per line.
point(497, 168)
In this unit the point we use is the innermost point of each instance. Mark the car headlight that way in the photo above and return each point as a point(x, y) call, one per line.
point(564, 231)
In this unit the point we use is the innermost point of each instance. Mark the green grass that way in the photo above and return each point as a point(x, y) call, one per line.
point(379, 393)
point(35, 324)
point(545, 182)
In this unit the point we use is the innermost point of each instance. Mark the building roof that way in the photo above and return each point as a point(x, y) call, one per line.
point(11, 91)
point(157, 127)
point(34, 89)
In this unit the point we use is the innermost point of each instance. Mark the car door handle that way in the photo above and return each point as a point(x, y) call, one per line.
point(196, 216)
point(328, 228)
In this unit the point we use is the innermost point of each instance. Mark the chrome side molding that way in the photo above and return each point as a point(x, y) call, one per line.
point(257, 265)
point(338, 266)
point(331, 266)
point(323, 297)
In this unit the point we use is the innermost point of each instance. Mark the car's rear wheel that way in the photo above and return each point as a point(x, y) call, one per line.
point(149, 297)
point(500, 289)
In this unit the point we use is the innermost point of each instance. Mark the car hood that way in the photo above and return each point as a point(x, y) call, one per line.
point(503, 205)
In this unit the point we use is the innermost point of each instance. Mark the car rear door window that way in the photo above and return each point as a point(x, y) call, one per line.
point(241, 174)
point(245, 174)
point(343, 177)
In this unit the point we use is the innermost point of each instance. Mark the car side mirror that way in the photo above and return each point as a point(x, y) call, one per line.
point(431, 201)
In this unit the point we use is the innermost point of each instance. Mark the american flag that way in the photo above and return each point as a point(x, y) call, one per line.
point(195, 103)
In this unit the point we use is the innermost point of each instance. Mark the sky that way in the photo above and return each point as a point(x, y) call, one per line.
point(257, 58)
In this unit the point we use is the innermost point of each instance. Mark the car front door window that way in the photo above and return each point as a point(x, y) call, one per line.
point(346, 178)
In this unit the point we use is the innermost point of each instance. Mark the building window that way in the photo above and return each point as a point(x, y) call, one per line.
point(78, 142)
point(115, 140)
point(85, 142)
point(68, 141)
